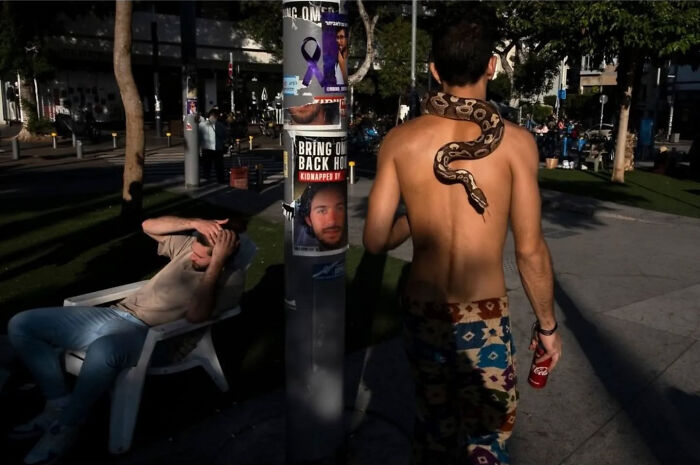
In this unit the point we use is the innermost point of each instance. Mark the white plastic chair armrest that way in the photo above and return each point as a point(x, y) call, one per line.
point(103, 296)
point(182, 326)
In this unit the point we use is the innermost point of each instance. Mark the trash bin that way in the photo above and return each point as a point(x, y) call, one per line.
point(675, 137)
point(552, 163)
point(239, 177)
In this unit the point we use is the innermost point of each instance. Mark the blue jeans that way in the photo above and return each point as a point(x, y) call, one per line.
point(111, 338)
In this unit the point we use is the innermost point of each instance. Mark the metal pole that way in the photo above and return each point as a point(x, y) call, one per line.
point(53, 140)
point(156, 79)
point(38, 100)
point(233, 97)
point(15, 149)
point(79, 149)
point(600, 126)
point(20, 106)
point(191, 135)
point(114, 140)
point(315, 165)
point(414, 8)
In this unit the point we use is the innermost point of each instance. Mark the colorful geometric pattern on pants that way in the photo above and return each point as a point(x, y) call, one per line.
point(462, 359)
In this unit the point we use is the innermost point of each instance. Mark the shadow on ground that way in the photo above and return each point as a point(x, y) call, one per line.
point(642, 400)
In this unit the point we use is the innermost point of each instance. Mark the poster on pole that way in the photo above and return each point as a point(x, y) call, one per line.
point(316, 57)
point(319, 114)
point(335, 52)
point(320, 193)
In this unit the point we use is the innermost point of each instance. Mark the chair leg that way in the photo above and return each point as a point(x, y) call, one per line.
point(126, 398)
point(206, 352)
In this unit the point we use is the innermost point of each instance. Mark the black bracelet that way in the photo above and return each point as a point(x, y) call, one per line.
point(546, 332)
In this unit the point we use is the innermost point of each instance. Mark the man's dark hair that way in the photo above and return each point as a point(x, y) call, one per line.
point(215, 112)
point(236, 225)
point(308, 196)
point(462, 50)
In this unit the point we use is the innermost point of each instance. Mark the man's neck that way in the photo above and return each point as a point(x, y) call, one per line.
point(476, 90)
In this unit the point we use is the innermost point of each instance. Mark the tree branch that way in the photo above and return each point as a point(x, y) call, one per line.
point(358, 75)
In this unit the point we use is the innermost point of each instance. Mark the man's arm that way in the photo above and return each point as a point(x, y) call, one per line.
point(160, 227)
point(531, 251)
point(202, 303)
point(381, 232)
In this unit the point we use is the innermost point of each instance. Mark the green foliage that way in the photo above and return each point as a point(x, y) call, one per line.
point(535, 74)
point(394, 47)
point(540, 113)
point(41, 126)
point(499, 89)
point(263, 22)
point(550, 100)
point(581, 107)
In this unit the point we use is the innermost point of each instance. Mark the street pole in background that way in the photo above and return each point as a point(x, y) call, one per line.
point(414, 8)
point(156, 79)
point(315, 170)
point(230, 79)
point(603, 99)
point(188, 32)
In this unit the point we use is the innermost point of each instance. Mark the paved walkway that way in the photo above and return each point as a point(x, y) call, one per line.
point(627, 288)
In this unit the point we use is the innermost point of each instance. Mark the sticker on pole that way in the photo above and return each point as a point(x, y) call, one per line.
point(328, 271)
point(336, 39)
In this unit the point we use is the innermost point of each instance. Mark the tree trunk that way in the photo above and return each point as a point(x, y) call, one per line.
point(133, 109)
point(626, 74)
point(358, 75)
point(27, 95)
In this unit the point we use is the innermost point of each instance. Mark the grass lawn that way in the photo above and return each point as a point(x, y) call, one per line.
point(641, 189)
point(59, 247)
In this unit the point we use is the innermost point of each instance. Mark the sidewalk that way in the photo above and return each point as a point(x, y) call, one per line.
point(627, 391)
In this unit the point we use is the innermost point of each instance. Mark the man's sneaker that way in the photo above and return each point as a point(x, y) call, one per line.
point(37, 425)
point(54, 444)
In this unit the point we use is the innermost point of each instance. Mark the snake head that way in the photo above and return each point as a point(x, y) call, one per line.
point(478, 199)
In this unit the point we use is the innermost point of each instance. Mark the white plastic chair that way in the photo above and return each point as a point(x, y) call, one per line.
point(126, 393)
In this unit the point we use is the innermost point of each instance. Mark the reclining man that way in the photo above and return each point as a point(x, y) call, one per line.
point(456, 309)
point(199, 281)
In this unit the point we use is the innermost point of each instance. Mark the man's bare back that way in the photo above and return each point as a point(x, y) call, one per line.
point(457, 252)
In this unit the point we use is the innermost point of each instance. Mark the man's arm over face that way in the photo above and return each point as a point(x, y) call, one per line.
point(160, 227)
point(225, 244)
point(531, 251)
point(381, 233)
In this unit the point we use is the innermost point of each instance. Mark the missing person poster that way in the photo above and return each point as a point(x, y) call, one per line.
point(320, 193)
point(317, 115)
point(320, 157)
point(335, 51)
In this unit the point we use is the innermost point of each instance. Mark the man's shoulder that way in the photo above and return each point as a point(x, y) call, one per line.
point(409, 133)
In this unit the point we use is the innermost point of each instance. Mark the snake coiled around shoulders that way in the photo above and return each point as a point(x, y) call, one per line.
point(484, 114)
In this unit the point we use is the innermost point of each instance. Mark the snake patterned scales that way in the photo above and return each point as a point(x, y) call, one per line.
point(484, 114)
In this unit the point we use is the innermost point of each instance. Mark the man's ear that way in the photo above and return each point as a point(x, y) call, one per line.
point(491, 67)
point(308, 221)
point(434, 72)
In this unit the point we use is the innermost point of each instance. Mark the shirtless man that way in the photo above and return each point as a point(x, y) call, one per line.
point(457, 325)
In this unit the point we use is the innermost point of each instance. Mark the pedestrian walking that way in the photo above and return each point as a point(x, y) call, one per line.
point(213, 136)
point(458, 334)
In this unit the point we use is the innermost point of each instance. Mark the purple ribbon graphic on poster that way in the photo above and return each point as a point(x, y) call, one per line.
point(311, 60)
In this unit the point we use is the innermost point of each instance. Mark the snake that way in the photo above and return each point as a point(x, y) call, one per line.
point(483, 113)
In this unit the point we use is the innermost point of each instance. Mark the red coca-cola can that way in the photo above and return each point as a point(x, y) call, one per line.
point(539, 372)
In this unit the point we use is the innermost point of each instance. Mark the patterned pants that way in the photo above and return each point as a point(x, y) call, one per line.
point(462, 359)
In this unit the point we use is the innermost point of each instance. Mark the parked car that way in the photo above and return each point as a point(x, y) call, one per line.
point(599, 133)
